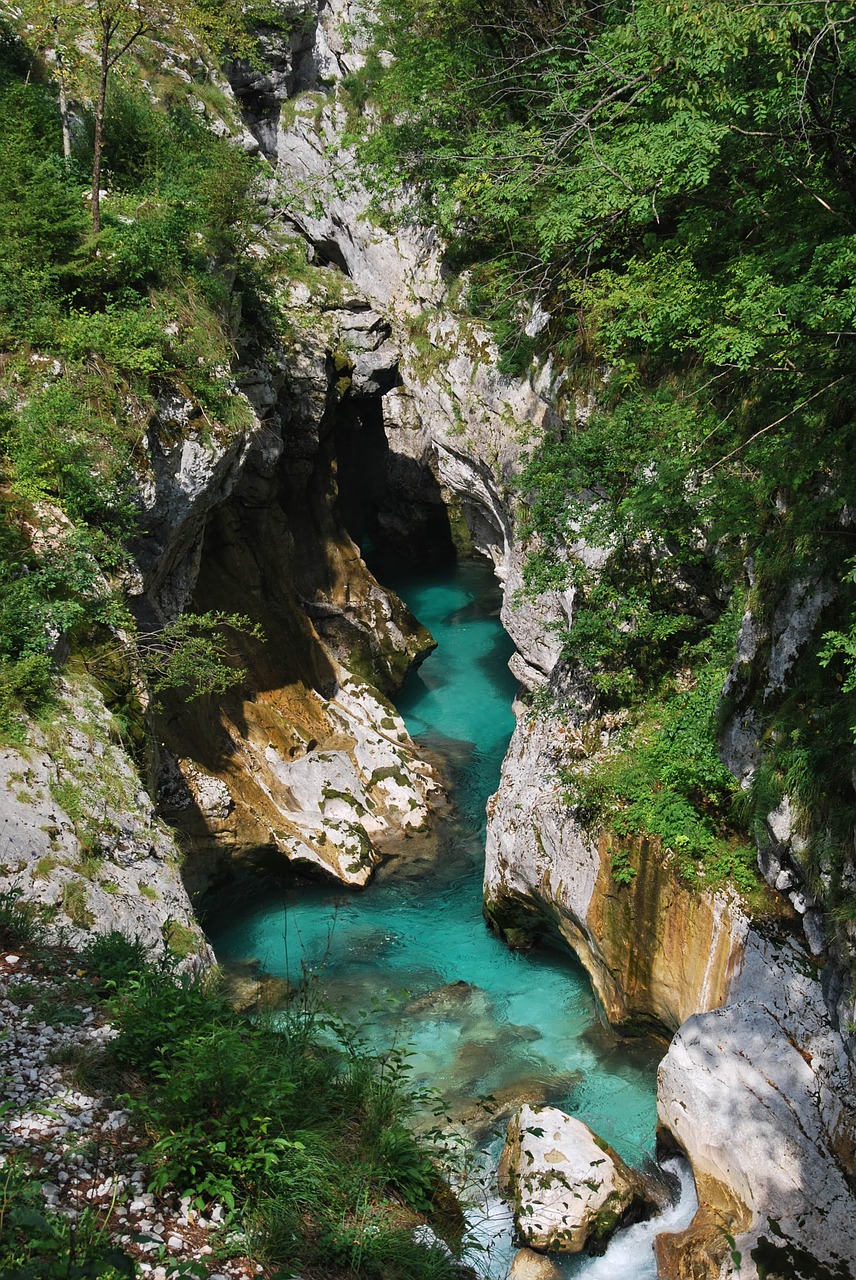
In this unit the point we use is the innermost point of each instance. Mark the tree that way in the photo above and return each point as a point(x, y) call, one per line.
point(119, 25)
point(70, 28)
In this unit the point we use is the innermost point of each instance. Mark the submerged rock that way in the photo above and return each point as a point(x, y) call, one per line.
point(568, 1189)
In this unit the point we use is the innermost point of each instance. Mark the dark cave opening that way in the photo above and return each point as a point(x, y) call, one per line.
point(391, 503)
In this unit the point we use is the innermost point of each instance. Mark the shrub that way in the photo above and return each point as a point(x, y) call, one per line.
point(37, 1243)
point(21, 923)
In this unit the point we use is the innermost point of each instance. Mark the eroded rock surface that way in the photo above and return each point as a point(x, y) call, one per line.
point(79, 834)
point(568, 1189)
point(656, 950)
point(760, 1094)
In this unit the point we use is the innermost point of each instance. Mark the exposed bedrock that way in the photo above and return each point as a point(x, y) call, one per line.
point(306, 757)
point(80, 837)
point(437, 473)
point(760, 1094)
point(757, 1087)
point(657, 951)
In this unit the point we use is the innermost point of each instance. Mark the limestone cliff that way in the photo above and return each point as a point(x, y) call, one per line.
point(447, 446)
point(657, 951)
point(760, 1094)
point(757, 1087)
point(306, 757)
point(79, 835)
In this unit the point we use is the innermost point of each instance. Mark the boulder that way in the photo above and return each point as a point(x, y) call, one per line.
point(568, 1189)
point(529, 1265)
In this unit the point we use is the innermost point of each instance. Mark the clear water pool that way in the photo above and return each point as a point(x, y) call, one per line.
point(479, 1019)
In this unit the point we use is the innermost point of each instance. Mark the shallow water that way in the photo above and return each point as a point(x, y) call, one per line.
point(479, 1019)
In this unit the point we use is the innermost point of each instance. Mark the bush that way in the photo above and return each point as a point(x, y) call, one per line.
point(25, 690)
point(286, 1121)
point(113, 958)
point(666, 781)
point(21, 923)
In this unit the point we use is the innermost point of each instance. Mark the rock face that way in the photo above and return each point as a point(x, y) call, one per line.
point(306, 758)
point(761, 1094)
point(757, 1087)
point(453, 427)
point(568, 1189)
point(656, 951)
point(79, 835)
point(353, 431)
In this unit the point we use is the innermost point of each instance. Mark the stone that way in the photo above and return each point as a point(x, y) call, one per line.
point(761, 1095)
point(529, 1265)
point(567, 1188)
point(138, 887)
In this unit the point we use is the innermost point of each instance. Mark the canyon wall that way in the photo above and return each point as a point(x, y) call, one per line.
point(757, 1083)
point(384, 415)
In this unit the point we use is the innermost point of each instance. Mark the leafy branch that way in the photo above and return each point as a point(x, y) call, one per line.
point(191, 655)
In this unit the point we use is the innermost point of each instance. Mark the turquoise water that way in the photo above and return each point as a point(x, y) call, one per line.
point(479, 1019)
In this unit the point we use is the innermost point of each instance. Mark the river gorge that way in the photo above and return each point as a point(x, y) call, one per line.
point(402, 784)
point(413, 955)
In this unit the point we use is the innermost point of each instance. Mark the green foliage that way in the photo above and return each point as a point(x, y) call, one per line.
point(623, 873)
point(56, 450)
point(674, 185)
point(666, 781)
point(92, 332)
point(288, 1122)
point(26, 686)
point(21, 924)
point(37, 1243)
point(190, 655)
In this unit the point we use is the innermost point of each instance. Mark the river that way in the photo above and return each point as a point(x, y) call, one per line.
point(414, 952)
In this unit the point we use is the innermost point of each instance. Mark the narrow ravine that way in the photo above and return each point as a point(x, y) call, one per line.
point(480, 1020)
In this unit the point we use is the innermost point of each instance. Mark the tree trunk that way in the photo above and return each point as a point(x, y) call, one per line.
point(63, 115)
point(63, 99)
point(99, 132)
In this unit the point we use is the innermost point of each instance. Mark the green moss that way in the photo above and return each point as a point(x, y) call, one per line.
point(329, 793)
point(425, 357)
point(389, 771)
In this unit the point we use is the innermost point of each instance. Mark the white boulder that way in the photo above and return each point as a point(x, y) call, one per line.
point(567, 1188)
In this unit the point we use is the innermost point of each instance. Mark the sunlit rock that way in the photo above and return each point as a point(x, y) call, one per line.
point(568, 1189)
point(529, 1265)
